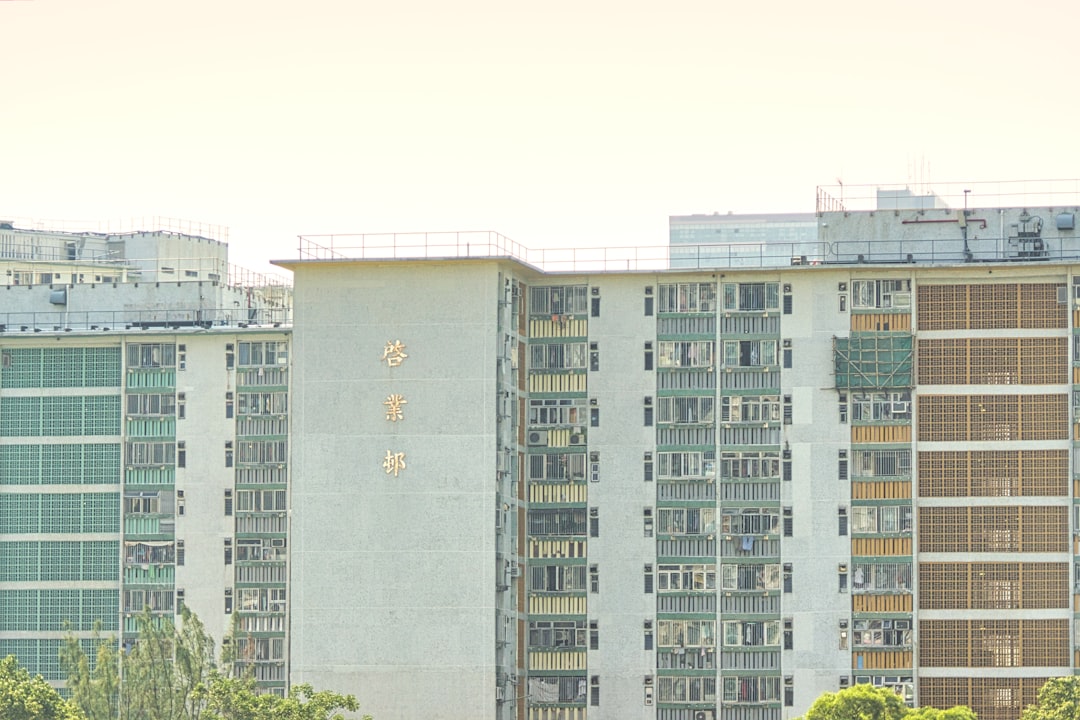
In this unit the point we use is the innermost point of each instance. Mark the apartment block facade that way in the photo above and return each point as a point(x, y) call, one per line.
point(689, 494)
point(457, 482)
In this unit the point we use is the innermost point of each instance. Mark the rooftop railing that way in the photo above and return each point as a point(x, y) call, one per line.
point(479, 245)
point(139, 320)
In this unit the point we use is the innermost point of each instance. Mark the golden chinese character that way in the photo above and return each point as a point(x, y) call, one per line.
point(393, 462)
point(394, 353)
point(393, 405)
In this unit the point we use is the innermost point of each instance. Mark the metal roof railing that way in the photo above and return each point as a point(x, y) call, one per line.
point(160, 320)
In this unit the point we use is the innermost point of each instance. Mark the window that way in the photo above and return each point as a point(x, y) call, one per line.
point(557, 356)
point(181, 357)
point(181, 405)
point(263, 353)
point(751, 577)
point(748, 408)
point(686, 633)
point(594, 416)
point(687, 410)
point(842, 575)
point(556, 412)
point(689, 464)
point(886, 519)
point(881, 577)
point(789, 522)
point(228, 454)
point(146, 454)
point(594, 578)
point(749, 353)
point(180, 502)
point(750, 521)
point(688, 521)
point(686, 353)
point(594, 690)
point(152, 404)
point(594, 357)
point(789, 635)
point(230, 357)
point(788, 411)
point(648, 465)
point(557, 634)
point(685, 578)
point(843, 407)
point(229, 404)
point(747, 633)
point(180, 553)
point(555, 578)
point(751, 689)
point(789, 687)
point(595, 309)
point(787, 357)
point(648, 356)
point(647, 516)
point(882, 633)
point(594, 635)
point(648, 586)
point(228, 601)
point(648, 301)
point(880, 294)
point(745, 297)
point(594, 522)
point(687, 298)
point(842, 466)
point(842, 520)
point(228, 503)
point(151, 355)
point(881, 407)
point(228, 551)
point(557, 466)
point(787, 577)
point(559, 300)
point(736, 465)
point(648, 411)
point(648, 629)
point(181, 453)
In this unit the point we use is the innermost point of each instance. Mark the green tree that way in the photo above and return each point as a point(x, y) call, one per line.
point(96, 692)
point(236, 699)
point(160, 672)
point(31, 698)
point(1058, 699)
point(866, 702)
point(170, 674)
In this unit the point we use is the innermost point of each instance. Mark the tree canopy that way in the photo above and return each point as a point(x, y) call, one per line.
point(1058, 699)
point(31, 698)
point(170, 674)
point(866, 702)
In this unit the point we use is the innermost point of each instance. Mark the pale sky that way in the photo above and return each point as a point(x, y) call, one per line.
point(560, 123)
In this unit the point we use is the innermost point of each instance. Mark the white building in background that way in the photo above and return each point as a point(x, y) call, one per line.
point(143, 442)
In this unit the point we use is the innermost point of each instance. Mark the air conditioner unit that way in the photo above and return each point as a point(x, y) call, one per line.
point(845, 681)
point(901, 406)
point(277, 542)
point(538, 438)
point(515, 570)
point(577, 439)
point(704, 715)
point(901, 300)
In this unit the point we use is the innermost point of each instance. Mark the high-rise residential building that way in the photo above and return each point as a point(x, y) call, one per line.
point(639, 492)
point(143, 442)
point(456, 481)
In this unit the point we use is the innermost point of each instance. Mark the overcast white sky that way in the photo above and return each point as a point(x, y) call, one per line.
point(559, 123)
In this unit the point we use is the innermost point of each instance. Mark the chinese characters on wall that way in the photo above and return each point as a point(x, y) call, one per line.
point(394, 355)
